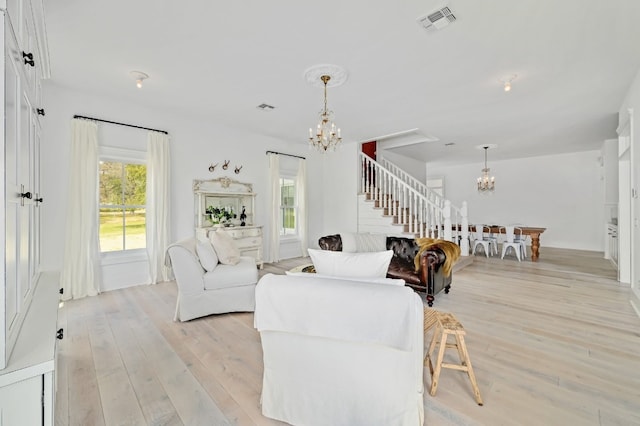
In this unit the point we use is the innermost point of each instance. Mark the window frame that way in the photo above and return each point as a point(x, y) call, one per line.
point(296, 234)
point(128, 156)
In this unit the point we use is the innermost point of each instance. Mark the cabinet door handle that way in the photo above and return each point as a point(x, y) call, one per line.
point(40, 111)
point(26, 195)
point(28, 59)
point(60, 334)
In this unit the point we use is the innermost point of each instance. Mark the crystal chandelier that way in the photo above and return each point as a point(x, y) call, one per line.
point(486, 183)
point(327, 135)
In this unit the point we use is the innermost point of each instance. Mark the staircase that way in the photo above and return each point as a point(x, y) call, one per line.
point(407, 205)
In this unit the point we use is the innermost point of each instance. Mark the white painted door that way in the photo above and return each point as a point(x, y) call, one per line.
point(635, 207)
point(26, 202)
point(12, 206)
point(625, 219)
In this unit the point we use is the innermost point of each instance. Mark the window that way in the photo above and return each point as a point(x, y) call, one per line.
point(288, 209)
point(122, 205)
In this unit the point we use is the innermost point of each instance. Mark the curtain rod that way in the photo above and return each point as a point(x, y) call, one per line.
point(281, 153)
point(120, 124)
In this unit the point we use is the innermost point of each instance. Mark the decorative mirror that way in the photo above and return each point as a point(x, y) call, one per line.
point(223, 202)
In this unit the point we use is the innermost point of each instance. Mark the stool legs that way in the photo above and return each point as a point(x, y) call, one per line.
point(440, 336)
point(466, 361)
point(435, 373)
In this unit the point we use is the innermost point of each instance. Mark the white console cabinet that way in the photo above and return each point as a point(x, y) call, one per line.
point(238, 199)
point(248, 239)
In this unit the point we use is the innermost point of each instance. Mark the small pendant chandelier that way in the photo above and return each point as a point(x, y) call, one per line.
point(326, 136)
point(486, 183)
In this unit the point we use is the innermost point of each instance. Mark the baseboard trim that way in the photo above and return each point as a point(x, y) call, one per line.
point(635, 301)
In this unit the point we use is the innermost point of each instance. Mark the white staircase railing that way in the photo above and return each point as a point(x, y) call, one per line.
point(430, 194)
point(421, 212)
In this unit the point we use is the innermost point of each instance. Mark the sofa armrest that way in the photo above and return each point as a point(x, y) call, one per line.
point(187, 269)
point(430, 261)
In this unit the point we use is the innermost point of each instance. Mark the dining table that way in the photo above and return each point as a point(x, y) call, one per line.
point(532, 231)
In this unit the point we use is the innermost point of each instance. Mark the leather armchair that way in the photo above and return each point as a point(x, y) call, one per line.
point(430, 278)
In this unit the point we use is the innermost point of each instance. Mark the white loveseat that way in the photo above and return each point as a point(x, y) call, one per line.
point(340, 352)
point(227, 288)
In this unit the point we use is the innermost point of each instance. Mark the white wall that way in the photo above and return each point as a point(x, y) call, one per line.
point(562, 193)
point(196, 142)
point(340, 189)
point(414, 167)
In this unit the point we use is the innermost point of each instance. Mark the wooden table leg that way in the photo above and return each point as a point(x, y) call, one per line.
point(535, 246)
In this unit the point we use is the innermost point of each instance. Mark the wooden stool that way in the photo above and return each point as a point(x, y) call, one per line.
point(430, 319)
point(447, 324)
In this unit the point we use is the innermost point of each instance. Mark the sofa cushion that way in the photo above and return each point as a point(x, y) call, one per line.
point(401, 269)
point(225, 247)
point(207, 255)
point(377, 280)
point(227, 276)
point(341, 264)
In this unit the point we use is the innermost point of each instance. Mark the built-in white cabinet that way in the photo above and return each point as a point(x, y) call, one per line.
point(21, 190)
point(29, 299)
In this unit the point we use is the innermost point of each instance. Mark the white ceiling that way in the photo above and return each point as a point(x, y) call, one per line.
point(575, 60)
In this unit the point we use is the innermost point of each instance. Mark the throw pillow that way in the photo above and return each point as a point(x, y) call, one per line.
point(341, 264)
point(370, 242)
point(392, 281)
point(207, 255)
point(225, 247)
point(349, 244)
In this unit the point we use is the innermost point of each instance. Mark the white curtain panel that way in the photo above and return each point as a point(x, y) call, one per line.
point(81, 274)
point(158, 210)
point(274, 207)
point(301, 196)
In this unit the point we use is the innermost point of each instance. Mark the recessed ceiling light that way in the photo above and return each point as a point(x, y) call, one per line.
point(506, 81)
point(139, 77)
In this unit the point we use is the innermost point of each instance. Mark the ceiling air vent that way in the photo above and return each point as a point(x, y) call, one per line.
point(266, 107)
point(437, 20)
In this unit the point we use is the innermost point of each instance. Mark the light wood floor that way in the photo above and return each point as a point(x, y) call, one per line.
point(552, 343)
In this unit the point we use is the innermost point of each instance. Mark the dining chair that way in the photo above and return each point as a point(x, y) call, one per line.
point(482, 238)
point(494, 238)
point(521, 238)
point(508, 233)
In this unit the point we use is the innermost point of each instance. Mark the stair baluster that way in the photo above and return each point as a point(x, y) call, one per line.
point(419, 210)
